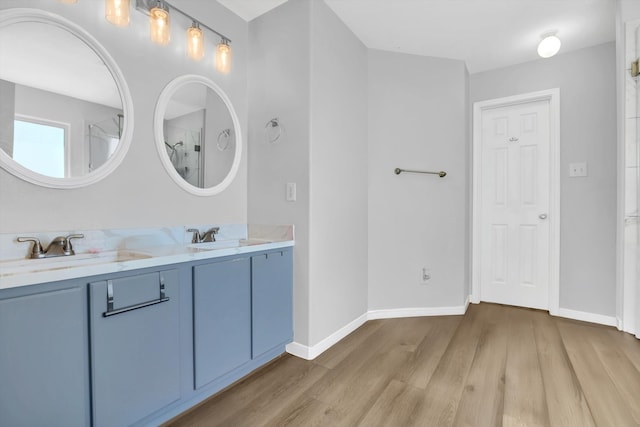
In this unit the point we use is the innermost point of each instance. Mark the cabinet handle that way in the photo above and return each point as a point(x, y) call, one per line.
point(134, 307)
point(111, 312)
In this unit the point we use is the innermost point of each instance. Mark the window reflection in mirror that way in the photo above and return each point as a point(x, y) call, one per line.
point(40, 147)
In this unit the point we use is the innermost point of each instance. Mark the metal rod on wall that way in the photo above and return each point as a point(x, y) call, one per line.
point(441, 174)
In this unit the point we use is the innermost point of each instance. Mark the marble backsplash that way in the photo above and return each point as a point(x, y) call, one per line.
point(138, 238)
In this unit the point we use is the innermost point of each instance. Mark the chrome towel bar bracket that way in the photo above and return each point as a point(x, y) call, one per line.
point(441, 174)
point(110, 301)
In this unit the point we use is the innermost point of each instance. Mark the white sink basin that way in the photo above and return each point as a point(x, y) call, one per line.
point(56, 263)
point(221, 244)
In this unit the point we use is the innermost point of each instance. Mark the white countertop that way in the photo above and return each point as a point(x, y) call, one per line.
point(24, 271)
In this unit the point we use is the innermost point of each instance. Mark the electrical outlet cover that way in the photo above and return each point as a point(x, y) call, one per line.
point(577, 169)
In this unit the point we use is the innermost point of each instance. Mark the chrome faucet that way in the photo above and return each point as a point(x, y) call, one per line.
point(207, 236)
point(60, 246)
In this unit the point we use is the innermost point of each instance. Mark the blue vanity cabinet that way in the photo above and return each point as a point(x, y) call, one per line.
point(44, 364)
point(135, 345)
point(221, 318)
point(272, 300)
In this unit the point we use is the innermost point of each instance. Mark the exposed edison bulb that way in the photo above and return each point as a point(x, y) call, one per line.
point(117, 12)
point(223, 57)
point(195, 42)
point(159, 20)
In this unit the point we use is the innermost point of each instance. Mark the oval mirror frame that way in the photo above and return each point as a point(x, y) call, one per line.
point(19, 15)
point(161, 108)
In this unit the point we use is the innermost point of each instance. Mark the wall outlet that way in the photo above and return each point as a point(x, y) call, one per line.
point(425, 276)
point(577, 169)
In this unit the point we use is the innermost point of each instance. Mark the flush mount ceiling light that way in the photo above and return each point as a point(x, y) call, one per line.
point(549, 46)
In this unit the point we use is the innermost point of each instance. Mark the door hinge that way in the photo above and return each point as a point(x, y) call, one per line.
point(635, 68)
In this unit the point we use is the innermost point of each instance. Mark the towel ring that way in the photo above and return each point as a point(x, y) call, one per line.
point(223, 139)
point(273, 130)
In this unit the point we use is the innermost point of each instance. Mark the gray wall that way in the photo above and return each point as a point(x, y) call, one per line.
point(338, 174)
point(139, 192)
point(417, 120)
point(279, 82)
point(586, 79)
point(307, 69)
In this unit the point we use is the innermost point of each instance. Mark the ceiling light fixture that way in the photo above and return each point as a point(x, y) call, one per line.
point(117, 12)
point(549, 46)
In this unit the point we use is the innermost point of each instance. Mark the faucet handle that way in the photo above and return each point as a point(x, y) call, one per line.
point(67, 247)
point(196, 235)
point(36, 249)
point(210, 234)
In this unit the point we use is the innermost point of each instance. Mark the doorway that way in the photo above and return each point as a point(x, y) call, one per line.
point(516, 209)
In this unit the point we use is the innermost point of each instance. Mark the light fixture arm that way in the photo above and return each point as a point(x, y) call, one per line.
point(146, 5)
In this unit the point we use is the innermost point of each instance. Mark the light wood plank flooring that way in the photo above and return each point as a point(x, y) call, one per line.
point(496, 365)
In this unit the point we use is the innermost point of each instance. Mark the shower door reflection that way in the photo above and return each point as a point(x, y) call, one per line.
point(183, 142)
point(102, 140)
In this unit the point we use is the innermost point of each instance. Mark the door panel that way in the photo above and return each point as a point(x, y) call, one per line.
point(135, 354)
point(221, 317)
point(514, 182)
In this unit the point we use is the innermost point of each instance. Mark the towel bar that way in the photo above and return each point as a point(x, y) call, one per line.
point(441, 174)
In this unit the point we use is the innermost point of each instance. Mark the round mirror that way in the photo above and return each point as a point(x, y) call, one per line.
point(66, 115)
point(198, 135)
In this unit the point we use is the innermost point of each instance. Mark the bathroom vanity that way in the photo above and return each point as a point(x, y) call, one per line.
point(137, 342)
point(131, 327)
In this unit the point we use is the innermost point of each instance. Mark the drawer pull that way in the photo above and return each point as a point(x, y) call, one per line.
point(111, 312)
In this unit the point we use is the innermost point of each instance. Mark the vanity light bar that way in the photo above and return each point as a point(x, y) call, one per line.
point(117, 13)
point(195, 38)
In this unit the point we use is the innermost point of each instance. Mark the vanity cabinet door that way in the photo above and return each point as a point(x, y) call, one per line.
point(135, 346)
point(44, 368)
point(221, 317)
point(272, 300)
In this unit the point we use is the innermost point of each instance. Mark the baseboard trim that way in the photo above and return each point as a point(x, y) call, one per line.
point(587, 317)
point(311, 352)
point(396, 313)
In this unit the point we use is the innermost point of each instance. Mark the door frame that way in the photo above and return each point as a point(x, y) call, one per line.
point(553, 97)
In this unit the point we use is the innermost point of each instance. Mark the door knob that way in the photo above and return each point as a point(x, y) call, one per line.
point(542, 216)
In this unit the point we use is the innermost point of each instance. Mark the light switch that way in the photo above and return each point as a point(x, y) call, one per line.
point(291, 191)
point(577, 169)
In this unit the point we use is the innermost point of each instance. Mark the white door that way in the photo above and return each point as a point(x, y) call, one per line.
point(514, 250)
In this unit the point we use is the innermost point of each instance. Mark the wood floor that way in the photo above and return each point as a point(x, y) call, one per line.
point(496, 365)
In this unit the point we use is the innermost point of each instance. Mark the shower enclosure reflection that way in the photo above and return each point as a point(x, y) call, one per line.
point(102, 140)
point(198, 135)
point(184, 151)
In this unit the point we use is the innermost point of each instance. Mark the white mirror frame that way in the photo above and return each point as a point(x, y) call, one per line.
point(18, 15)
point(161, 108)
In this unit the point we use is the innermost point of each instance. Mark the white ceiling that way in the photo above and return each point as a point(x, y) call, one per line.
point(486, 34)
